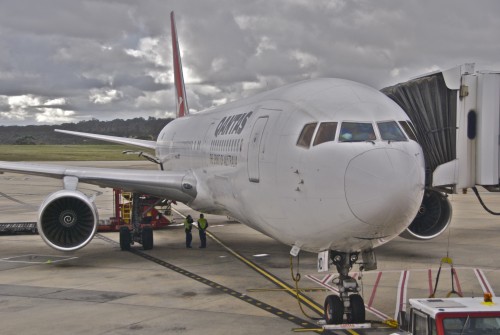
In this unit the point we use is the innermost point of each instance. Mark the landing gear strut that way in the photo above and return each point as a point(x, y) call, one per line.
point(349, 302)
point(142, 235)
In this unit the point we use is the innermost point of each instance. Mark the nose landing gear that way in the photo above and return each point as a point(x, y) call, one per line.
point(348, 302)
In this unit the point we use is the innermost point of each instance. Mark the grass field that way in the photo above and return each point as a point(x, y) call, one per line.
point(87, 152)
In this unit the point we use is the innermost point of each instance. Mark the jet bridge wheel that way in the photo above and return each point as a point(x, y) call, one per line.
point(357, 308)
point(147, 238)
point(125, 238)
point(334, 310)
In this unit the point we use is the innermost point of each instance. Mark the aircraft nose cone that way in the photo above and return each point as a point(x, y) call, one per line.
point(384, 187)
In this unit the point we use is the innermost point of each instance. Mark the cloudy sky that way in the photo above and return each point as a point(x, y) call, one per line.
point(68, 61)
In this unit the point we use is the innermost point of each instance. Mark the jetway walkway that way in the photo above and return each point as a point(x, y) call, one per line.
point(456, 114)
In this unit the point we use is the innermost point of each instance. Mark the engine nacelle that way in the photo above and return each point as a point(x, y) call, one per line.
point(432, 219)
point(67, 220)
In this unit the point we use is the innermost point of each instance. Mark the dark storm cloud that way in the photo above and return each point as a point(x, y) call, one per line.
point(111, 59)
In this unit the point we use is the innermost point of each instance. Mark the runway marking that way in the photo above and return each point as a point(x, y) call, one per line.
point(12, 198)
point(402, 291)
point(59, 293)
point(483, 281)
point(327, 278)
point(372, 297)
point(36, 259)
point(243, 297)
point(455, 275)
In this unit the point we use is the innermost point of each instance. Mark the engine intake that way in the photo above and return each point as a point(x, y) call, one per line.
point(67, 220)
point(432, 219)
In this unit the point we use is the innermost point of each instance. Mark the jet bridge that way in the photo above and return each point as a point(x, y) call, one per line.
point(456, 114)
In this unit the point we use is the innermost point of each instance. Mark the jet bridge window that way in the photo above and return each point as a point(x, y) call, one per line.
point(356, 132)
point(306, 135)
point(326, 133)
point(390, 131)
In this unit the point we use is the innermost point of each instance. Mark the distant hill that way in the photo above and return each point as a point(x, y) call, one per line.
point(146, 129)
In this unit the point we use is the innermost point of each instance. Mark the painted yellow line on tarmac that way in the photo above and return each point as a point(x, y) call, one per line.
point(309, 303)
point(304, 289)
point(226, 290)
point(307, 330)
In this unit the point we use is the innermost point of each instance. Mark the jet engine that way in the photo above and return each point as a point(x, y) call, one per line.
point(67, 220)
point(432, 219)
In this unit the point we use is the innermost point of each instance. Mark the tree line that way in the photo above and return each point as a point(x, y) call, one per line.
point(140, 128)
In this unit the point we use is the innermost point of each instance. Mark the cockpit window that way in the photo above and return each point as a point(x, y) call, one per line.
point(306, 135)
point(326, 133)
point(356, 132)
point(390, 131)
point(409, 130)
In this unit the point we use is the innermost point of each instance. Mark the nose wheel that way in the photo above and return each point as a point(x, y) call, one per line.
point(334, 310)
point(357, 308)
point(348, 306)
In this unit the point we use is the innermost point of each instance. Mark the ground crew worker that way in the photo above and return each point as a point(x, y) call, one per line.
point(202, 226)
point(188, 225)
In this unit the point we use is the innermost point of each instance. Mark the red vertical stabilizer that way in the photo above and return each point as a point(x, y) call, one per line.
point(180, 90)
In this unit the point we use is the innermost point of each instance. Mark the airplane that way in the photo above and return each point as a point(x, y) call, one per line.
point(327, 166)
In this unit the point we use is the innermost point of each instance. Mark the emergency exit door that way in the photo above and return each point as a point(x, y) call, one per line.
point(255, 148)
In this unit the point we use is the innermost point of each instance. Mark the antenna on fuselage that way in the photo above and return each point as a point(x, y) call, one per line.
point(180, 90)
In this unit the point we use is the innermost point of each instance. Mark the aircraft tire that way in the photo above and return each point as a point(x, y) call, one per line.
point(334, 310)
point(147, 238)
point(125, 238)
point(357, 308)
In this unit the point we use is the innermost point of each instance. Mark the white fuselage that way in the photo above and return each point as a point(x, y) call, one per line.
point(344, 196)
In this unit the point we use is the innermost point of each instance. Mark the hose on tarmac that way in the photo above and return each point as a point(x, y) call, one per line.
point(296, 279)
point(482, 203)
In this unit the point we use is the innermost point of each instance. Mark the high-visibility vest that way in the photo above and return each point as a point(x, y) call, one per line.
point(187, 225)
point(202, 223)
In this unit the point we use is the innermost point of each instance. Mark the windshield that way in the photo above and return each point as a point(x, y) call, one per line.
point(390, 131)
point(306, 135)
point(326, 132)
point(356, 132)
point(471, 325)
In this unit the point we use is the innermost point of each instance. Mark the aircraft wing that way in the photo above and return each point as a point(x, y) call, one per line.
point(113, 139)
point(178, 186)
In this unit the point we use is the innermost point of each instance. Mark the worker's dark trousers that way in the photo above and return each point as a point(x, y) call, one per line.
point(203, 238)
point(189, 238)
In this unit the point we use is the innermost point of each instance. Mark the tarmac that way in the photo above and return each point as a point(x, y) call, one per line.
point(239, 284)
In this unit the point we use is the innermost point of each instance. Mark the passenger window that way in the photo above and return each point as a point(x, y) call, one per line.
point(356, 132)
point(306, 135)
point(390, 131)
point(409, 130)
point(326, 132)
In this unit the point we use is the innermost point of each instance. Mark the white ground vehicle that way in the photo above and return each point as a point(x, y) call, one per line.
point(454, 316)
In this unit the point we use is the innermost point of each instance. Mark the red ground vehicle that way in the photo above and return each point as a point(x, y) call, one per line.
point(136, 215)
point(454, 316)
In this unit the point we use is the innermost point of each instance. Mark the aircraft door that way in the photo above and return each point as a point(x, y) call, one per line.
point(208, 135)
point(255, 148)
